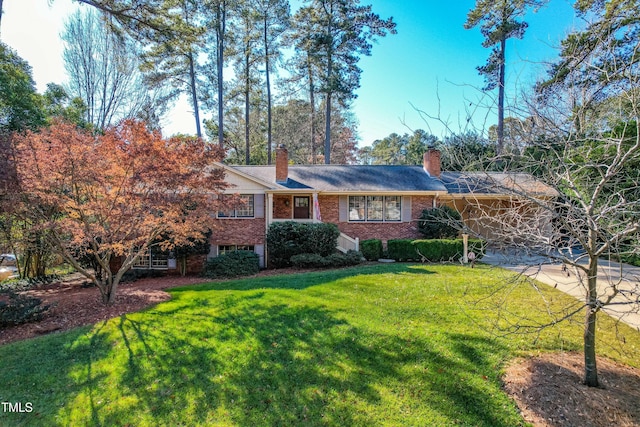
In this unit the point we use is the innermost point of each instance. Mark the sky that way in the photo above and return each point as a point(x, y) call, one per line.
point(429, 66)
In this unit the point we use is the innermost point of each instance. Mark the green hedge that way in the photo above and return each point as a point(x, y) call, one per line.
point(289, 238)
point(331, 261)
point(233, 264)
point(432, 250)
point(442, 222)
point(402, 250)
point(371, 249)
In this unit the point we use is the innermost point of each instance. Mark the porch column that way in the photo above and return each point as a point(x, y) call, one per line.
point(269, 212)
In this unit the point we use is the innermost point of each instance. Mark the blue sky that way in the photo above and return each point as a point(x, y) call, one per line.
point(429, 65)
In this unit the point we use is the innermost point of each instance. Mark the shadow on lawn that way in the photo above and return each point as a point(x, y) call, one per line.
point(305, 279)
point(268, 359)
point(263, 364)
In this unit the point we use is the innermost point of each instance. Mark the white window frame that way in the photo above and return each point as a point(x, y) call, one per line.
point(370, 202)
point(223, 249)
point(147, 261)
point(246, 211)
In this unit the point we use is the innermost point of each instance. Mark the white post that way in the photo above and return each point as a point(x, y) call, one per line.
point(357, 243)
point(465, 248)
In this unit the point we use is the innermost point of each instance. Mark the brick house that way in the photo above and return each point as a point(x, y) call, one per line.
point(365, 202)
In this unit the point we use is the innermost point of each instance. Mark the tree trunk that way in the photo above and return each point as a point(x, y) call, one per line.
point(312, 104)
point(247, 100)
point(501, 79)
point(327, 130)
point(268, 78)
point(194, 96)
point(329, 83)
point(220, 51)
point(590, 367)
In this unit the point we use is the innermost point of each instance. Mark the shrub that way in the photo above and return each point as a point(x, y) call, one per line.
point(336, 259)
point(440, 223)
point(289, 238)
point(132, 275)
point(233, 264)
point(309, 261)
point(402, 250)
point(21, 309)
point(435, 250)
point(371, 249)
point(354, 257)
point(19, 285)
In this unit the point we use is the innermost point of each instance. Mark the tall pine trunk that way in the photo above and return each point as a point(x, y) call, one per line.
point(501, 80)
point(268, 79)
point(222, 24)
point(247, 100)
point(194, 95)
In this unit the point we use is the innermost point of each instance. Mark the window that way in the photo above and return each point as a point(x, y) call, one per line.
point(245, 210)
point(154, 259)
point(357, 208)
point(375, 208)
point(223, 249)
point(392, 208)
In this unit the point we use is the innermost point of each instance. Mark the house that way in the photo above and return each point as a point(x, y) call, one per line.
point(365, 202)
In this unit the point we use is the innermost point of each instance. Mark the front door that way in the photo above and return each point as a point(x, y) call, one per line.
point(301, 207)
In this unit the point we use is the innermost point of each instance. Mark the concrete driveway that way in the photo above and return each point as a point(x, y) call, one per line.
point(625, 306)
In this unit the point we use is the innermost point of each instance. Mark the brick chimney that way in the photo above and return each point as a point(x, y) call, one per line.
point(282, 163)
point(432, 162)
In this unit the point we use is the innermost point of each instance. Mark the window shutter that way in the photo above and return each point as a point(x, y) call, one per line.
point(213, 251)
point(258, 205)
point(343, 208)
point(406, 208)
point(259, 249)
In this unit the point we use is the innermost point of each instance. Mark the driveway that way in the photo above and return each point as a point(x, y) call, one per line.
point(625, 306)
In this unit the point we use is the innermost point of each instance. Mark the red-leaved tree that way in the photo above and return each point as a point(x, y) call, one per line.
point(116, 194)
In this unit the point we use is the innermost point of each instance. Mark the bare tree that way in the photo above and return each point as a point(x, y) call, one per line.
point(103, 72)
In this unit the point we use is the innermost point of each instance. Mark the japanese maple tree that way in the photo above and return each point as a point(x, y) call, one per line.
point(117, 194)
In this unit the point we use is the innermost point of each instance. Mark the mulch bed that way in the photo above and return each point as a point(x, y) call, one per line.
point(548, 390)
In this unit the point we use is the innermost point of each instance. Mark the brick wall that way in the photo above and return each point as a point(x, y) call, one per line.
point(249, 231)
point(329, 207)
point(280, 208)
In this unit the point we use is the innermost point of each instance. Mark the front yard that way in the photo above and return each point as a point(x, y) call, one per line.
point(395, 344)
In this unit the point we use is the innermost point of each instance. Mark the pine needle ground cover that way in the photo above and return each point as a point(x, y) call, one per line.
point(395, 344)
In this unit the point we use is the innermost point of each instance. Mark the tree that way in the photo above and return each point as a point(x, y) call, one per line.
point(467, 152)
point(20, 104)
point(402, 150)
point(304, 68)
point(274, 16)
point(246, 60)
point(171, 61)
point(498, 23)
point(342, 32)
point(587, 153)
point(292, 127)
point(116, 194)
point(216, 18)
point(103, 71)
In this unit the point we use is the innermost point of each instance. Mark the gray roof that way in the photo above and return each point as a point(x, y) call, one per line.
point(395, 178)
point(494, 183)
point(351, 178)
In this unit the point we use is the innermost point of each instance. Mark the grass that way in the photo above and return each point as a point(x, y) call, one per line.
point(383, 345)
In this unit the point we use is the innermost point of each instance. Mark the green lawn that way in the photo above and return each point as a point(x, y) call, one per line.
point(392, 345)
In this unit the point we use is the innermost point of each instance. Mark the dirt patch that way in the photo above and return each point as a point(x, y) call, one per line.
point(548, 390)
point(75, 305)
